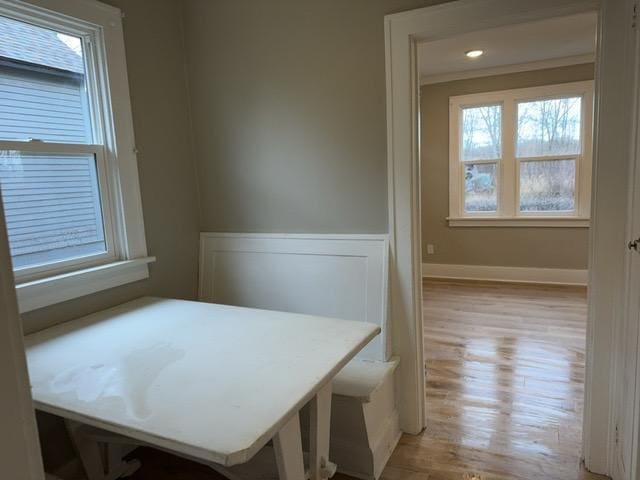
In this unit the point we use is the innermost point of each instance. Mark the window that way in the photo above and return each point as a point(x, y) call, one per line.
point(68, 170)
point(521, 157)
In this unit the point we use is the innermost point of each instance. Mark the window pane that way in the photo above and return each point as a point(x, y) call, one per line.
point(481, 132)
point(52, 207)
point(480, 187)
point(549, 127)
point(43, 92)
point(547, 186)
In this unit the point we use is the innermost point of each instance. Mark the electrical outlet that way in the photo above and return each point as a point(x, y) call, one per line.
point(430, 249)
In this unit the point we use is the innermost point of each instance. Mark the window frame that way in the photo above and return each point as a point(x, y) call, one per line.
point(35, 272)
point(126, 259)
point(508, 212)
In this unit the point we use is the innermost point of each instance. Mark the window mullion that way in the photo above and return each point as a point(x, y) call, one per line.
point(480, 162)
point(114, 244)
point(546, 158)
point(49, 147)
point(455, 177)
point(508, 169)
point(584, 165)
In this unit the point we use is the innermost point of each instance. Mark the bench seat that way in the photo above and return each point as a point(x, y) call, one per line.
point(364, 419)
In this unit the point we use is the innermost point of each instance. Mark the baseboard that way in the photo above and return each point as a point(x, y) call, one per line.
point(554, 276)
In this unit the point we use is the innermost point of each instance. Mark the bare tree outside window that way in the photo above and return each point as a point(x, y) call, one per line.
point(481, 141)
point(546, 128)
point(549, 127)
point(547, 185)
point(482, 133)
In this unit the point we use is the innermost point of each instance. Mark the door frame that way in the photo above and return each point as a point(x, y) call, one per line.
point(20, 455)
point(627, 373)
point(403, 32)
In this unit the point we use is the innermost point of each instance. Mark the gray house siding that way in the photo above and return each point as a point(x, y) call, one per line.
point(50, 107)
point(52, 202)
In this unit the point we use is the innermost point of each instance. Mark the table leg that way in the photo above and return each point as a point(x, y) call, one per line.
point(287, 444)
point(91, 455)
point(319, 435)
point(88, 450)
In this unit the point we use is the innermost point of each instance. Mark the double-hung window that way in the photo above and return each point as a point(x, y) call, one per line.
point(68, 170)
point(521, 157)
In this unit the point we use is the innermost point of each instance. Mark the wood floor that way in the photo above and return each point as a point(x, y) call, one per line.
point(505, 369)
point(504, 376)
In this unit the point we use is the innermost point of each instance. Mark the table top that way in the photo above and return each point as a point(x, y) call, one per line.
point(211, 381)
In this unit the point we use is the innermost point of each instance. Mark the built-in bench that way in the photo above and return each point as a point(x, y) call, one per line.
point(342, 276)
point(364, 422)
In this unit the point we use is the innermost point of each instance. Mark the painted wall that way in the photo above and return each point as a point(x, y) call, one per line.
point(513, 247)
point(288, 104)
point(155, 62)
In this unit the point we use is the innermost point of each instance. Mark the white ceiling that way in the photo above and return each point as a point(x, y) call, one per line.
point(566, 40)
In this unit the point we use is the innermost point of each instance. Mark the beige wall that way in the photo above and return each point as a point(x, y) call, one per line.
point(516, 247)
point(289, 111)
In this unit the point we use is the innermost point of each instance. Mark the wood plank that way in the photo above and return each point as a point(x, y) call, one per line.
point(504, 384)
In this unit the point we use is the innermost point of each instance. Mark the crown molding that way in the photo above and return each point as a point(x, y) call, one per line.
point(504, 69)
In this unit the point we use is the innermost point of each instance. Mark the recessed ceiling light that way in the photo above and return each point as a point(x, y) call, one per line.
point(473, 53)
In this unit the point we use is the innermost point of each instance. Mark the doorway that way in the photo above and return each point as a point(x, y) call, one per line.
point(404, 33)
point(506, 122)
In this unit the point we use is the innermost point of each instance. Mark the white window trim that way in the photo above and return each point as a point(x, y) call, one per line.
point(122, 205)
point(507, 166)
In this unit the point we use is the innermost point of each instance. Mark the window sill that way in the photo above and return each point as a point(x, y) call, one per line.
point(59, 288)
point(563, 222)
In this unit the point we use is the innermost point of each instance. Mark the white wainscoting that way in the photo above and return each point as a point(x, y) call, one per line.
point(341, 276)
point(558, 276)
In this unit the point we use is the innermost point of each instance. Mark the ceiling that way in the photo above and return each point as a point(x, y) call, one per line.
point(525, 46)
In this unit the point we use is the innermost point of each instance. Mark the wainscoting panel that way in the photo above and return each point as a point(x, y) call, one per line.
point(341, 276)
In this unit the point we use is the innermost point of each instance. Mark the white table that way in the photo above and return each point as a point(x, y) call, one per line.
point(211, 382)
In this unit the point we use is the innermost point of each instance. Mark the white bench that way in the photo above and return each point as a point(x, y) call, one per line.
point(364, 422)
point(342, 276)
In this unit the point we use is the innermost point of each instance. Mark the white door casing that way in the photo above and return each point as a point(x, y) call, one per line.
point(403, 32)
point(20, 457)
point(607, 329)
point(626, 404)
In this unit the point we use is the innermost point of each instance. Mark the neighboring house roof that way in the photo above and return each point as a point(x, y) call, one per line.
point(36, 45)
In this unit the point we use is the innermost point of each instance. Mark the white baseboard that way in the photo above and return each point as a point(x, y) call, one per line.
point(556, 276)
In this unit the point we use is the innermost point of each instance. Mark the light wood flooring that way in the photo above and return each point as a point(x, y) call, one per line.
point(504, 377)
point(505, 367)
